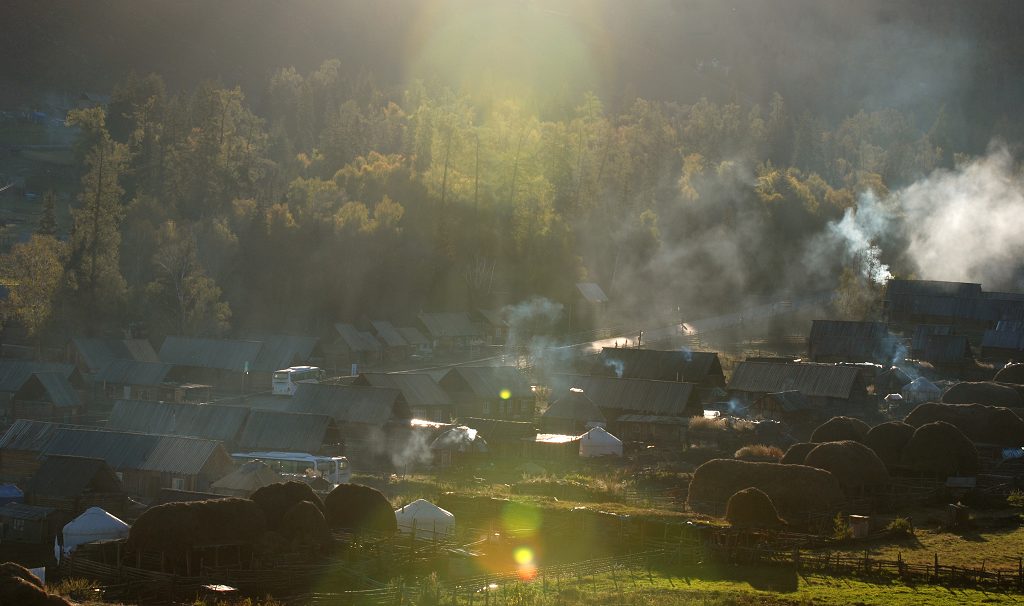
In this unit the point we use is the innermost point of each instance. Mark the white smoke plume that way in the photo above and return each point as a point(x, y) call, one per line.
point(858, 233)
point(965, 224)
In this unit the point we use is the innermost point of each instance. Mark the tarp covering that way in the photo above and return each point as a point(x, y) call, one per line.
point(93, 525)
point(428, 520)
point(9, 493)
point(598, 443)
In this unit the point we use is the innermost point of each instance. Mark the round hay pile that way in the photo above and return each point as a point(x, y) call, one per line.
point(837, 429)
point(980, 423)
point(759, 452)
point(853, 464)
point(796, 490)
point(983, 392)
point(796, 453)
point(305, 523)
point(940, 449)
point(360, 508)
point(175, 527)
point(888, 441)
point(1011, 373)
point(19, 587)
point(276, 499)
point(752, 508)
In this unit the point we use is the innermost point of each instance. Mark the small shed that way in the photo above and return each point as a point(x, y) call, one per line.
point(921, 390)
point(599, 443)
point(459, 444)
point(21, 523)
point(780, 406)
point(425, 520)
point(573, 413)
point(94, 524)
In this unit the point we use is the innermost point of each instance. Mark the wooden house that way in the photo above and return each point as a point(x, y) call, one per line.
point(425, 397)
point(269, 430)
point(495, 392)
point(90, 355)
point(572, 413)
point(785, 406)
point(587, 307)
point(131, 380)
point(838, 388)
point(354, 349)
point(450, 330)
point(655, 429)
point(21, 523)
point(493, 326)
point(238, 366)
point(46, 396)
point(15, 373)
point(700, 367)
point(932, 302)
point(506, 440)
point(73, 484)
point(419, 344)
point(616, 397)
point(849, 341)
point(948, 354)
point(395, 347)
point(1003, 343)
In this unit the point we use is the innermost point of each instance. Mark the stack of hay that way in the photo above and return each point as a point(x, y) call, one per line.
point(360, 509)
point(984, 392)
point(940, 449)
point(1011, 373)
point(980, 423)
point(855, 466)
point(796, 490)
point(888, 441)
point(176, 527)
point(752, 508)
point(293, 510)
point(838, 429)
point(19, 587)
point(796, 453)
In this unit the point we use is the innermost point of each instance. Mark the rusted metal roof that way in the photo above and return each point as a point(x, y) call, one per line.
point(813, 380)
point(665, 398)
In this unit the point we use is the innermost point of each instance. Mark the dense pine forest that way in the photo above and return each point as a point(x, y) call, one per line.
point(285, 198)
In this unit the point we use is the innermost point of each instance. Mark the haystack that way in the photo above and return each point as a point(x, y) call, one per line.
point(796, 453)
point(983, 392)
point(980, 423)
point(19, 587)
point(837, 429)
point(359, 509)
point(759, 452)
point(276, 499)
point(175, 527)
point(304, 523)
point(940, 449)
point(854, 465)
point(1011, 373)
point(796, 490)
point(752, 508)
point(888, 441)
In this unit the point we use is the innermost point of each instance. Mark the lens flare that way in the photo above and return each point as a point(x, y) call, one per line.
point(505, 394)
point(523, 556)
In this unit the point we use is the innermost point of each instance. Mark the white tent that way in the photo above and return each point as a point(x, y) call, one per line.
point(428, 520)
point(93, 525)
point(921, 390)
point(598, 443)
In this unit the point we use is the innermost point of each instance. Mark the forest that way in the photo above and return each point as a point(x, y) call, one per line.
point(321, 194)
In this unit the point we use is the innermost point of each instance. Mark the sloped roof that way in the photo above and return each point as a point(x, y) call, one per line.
point(350, 403)
point(813, 380)
point(387, 333)
point(933, 288)
point(1003, 339)
point(418, 389)
point(132, 372)
point(281, 351)
point(860, 341)
point(412, 335)
point(98, 352)
point(62, 476)
point(210, 421)
point(220, 354)
point(20, 511)
point(488, 381)
point(14, 373)
point(663, 365)
point(665, 398)
point(574, 405)
point(57, 388)
point(286, 431)
point(494, 317)
point(496, 429)
point(357, 340)
point(591, 292)
point(448, 324)
point(249, 477)
point(121, 450)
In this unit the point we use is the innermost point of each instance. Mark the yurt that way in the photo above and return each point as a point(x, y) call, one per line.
point(424, 518)
point(246, 480)
point(599, 443)
point(921, 390)
point(93, 525)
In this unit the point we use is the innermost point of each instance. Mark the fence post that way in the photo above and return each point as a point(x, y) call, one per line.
point(936, 566)
point(1020, 573)
point(796, 559)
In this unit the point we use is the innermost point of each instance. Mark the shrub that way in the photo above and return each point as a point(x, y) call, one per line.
point(841, 529)
point(900, 527)
point(759, 452)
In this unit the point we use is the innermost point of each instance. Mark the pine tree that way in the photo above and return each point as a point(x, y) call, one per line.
point(48, 221)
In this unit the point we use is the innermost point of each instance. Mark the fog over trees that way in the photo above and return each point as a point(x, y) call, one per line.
point(287, 165)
